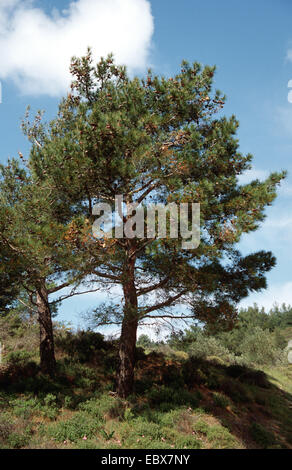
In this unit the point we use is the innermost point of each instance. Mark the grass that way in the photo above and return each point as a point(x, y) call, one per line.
point(178, 403)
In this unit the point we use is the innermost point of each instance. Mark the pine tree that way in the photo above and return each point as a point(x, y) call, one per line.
point(163, 141)
point(8, 288)
point(35, 257)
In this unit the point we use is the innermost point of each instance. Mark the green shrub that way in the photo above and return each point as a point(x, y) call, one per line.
point(258, 347)
point(17, 441)
point(235, 391)
point(261, 436)
point(201, 427)
point(193, 372)
point(82, 376)
point(171, 397)
point(236, 370)
point(213, 381)
point(172, 375)
point(69, 402)
point(187, 442)
point(141, 386)
point(75, 428)
point(104, 405)
point(128, 414)
point(220, 438)
point(6, 426)
point(82, 345)
point(205, 346)
point(220, 400)
point(24, 407)
point(146, 428)
point(19, 358)
point(255, 377)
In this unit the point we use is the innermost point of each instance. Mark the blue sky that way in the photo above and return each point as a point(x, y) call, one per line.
point(250, 42)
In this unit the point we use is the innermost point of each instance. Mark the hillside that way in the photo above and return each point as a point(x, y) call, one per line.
point(179, 401)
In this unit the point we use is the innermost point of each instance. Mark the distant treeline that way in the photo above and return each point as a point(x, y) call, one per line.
point(258, 337)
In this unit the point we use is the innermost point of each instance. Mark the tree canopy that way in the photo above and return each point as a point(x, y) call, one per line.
point(151, 140)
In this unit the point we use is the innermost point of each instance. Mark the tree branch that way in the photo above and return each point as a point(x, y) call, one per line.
point(146, 290)
point(166, 303)
point(72, 294)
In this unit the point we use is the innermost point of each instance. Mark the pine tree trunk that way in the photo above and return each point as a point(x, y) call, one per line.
point(47, 350)
point(128, 335)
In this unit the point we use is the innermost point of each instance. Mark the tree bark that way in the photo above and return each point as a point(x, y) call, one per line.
point(128, 334)
point(47, 349)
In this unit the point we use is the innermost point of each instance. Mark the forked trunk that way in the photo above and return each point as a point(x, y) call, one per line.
point(47, 350)
point(128, 335)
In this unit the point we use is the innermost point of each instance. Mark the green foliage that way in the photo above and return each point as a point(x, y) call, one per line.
point(6, 426)
point(280, 340)
point(75, 428)
point(153, 139)
point(128, 415)
point(102, 406)
point(70, 371)
point(78, 405)
point(17, 440)
point(220, 400)
point(261, 435)
point(171, 397)
point(256, 339)
point(19, 358)
point(220, 438)
point(236, 391)
point(107, 436)
point(258, 347)
point(201, 426)
point(144, 341)
point(205, 346)
point(83, 345)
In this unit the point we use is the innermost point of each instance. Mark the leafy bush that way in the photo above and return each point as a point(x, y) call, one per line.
point(82, 345)
point(80, 425)
point(6, 426)
point(73, 372)
point(205, 346)
point(19, 358)
point(258, 347)
point(171, 397)
point(24, 407)
point(220, 438)
point(103, 406)
point(236, 370)
point(17, 440)
point(236, 391)
point(261, 436)
point(140, 354)
point(193, 372)
point(220, 400)
point(144, 341)
point(201, 426)
point(172, 375)
point(255, 377)
point(141, 386)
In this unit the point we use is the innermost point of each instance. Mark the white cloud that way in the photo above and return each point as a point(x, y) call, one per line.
point(253, 174)
point(36, 48)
